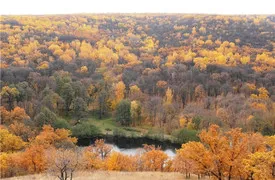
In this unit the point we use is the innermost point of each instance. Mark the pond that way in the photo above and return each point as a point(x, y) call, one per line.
point(132, 145)
point(133, 151)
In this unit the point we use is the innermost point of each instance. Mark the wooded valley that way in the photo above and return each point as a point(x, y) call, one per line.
point(204, 81)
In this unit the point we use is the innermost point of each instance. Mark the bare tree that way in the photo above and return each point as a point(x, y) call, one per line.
point(101, 148)
point(63, 163)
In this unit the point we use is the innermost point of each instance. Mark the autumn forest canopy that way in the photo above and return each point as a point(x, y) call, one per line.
point(204, 81)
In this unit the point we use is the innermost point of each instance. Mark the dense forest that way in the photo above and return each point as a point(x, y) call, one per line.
point(171, 75)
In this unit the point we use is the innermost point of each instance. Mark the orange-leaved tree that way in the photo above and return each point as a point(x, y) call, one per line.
point(120, 162)
point(221, 154)
point(34, 159)
point(58, 138)
point(94, 156)
point(153, 159)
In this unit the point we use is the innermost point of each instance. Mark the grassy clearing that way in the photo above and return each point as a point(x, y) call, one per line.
point(112, 175)
point(108, 126)
point(105, 125)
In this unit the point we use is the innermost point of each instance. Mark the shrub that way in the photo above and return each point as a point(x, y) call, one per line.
point(61, 123)
point(118, 132)
point(186, 135)
point(84, 130)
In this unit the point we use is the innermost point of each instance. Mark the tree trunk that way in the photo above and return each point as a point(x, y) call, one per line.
point(71, 175)
point(229, 174)
point(10, 102)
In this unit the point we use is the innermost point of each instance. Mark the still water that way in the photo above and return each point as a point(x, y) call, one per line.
point(134, 151)
point(132, 146)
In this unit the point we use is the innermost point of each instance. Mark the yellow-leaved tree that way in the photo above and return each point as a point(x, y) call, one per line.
point(119, 91)
point(10, 142)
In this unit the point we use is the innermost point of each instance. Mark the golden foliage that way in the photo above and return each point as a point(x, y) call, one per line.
point(119, 162)
point(220, 154)
point(10, 142)
point(168, 96)
point(153, 159)
point(83, 69)
point(119, 93)
point(34, 159)
point(49, 137)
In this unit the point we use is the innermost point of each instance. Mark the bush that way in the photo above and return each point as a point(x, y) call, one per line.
point(268, 130)
point(61, 123)
point(85, 130)
point(157, 134)
point(186, 135)
point(131, 129)
point(118, 132)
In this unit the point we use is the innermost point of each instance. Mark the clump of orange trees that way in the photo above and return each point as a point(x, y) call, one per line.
point(19, 157)
point(220, 155)
point(228, 155)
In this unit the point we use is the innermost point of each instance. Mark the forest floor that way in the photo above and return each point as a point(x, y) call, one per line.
point(111, 175)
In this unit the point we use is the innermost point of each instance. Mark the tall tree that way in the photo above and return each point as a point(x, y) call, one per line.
point(34, 159)
point(119, 91)
point(103, 103)
point(67, 93)
point(135, 112)
point(123, 113)
point(79, 108)
point(45, 117)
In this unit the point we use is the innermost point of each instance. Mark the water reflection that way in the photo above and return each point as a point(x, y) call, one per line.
point(134, 151)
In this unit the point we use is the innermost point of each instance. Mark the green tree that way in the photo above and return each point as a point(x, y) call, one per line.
point(25, 92)
point(103, 103)
point(186, 135)
point(123, 112)
point(67, 93)
point(45, 117)
point(79, 108)
point(53, 101)
point(79, 90)
point(61, 79)
point(9, 93)
point(61, 123)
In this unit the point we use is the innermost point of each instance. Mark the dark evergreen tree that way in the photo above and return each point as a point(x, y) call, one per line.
point(123, 113)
